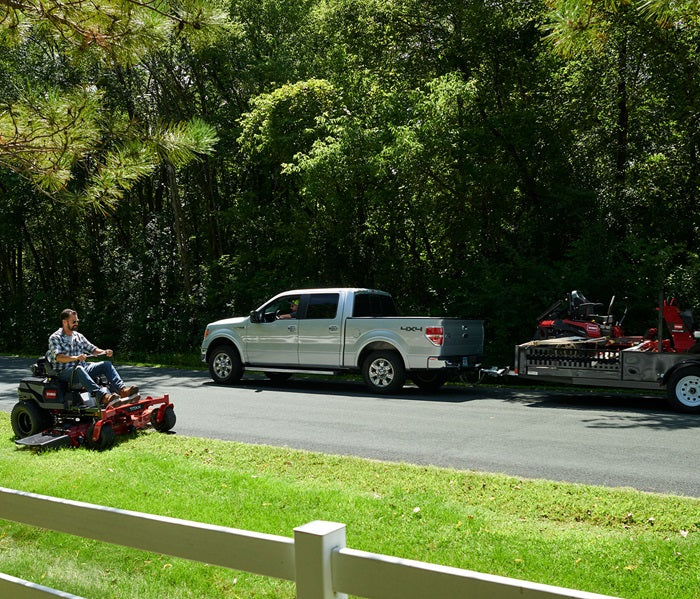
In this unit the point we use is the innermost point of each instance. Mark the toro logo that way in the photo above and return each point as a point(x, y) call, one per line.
point(50, 393)
point(411, 329)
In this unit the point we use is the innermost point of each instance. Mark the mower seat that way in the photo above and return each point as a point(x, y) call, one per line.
point(581, 309)
point(43, 368)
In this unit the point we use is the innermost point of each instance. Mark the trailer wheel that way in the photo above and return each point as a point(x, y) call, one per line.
point(683, 390)
point(384, 372)
point(225, 365)
point(28, 419)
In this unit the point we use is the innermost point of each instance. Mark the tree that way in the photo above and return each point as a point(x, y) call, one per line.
point(56, 131)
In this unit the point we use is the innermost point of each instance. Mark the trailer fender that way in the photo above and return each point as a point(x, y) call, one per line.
point(670, 372)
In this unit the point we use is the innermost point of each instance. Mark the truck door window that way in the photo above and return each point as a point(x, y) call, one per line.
point(322, 306)
point(281, 308)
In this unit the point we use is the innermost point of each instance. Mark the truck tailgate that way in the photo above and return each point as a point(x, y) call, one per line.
point(462, 337)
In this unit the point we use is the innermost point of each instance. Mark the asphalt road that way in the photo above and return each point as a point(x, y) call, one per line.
point(603, 439)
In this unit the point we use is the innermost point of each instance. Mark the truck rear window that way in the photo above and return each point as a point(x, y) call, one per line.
point(374, 304)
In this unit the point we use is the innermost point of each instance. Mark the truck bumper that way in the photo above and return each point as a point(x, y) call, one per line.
point(459, 362)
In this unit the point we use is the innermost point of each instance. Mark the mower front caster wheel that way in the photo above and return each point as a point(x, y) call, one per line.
point(104, 441)
point(168, 421)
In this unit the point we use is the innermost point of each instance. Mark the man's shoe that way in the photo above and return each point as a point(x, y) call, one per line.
point(117, 401)
point(128, 391)
point(108, 399)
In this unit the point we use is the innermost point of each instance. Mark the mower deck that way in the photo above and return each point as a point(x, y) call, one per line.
point(97, 428)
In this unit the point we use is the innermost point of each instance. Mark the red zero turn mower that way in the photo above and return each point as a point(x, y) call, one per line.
point(574, 316)
point(50, 414)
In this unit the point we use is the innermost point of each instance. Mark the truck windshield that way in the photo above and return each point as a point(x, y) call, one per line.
point(374, 304)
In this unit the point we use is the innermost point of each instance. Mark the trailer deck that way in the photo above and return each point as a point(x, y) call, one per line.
point(592, 363)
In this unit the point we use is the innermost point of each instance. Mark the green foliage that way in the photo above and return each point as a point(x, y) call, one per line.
point(59, 134)
point(472, 158)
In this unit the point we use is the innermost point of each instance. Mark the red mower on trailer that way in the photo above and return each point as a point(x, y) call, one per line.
point(575, 317)
point(49, 413)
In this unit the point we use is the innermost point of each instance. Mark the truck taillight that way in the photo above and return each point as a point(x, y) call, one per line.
point(436, 335)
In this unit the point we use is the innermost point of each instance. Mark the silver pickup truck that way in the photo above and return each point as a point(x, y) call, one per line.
point(342, 330)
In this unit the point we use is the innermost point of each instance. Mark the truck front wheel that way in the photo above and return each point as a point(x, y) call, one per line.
point(225, 365)
point(683, 390)
point(384, 372)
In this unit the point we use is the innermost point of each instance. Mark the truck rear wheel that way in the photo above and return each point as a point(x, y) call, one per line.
point(429, 380)
point(683, 390)
point(384, 372)
point(225, 365)
point(28, 419)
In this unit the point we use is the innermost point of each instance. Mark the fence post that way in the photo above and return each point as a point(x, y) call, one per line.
point(313, 545)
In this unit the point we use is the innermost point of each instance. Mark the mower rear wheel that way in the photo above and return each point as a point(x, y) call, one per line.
point(28, 419)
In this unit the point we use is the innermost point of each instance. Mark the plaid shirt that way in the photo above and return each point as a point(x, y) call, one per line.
point(68, 345)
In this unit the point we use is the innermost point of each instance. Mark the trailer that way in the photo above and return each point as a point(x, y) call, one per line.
point(597, 363)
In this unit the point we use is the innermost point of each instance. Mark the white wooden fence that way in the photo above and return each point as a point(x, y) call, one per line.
point(316, 558)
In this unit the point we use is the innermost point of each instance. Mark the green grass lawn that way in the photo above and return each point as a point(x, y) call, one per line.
point(612, 541)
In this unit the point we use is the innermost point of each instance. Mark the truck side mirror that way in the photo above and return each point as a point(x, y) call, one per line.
point(254, 316)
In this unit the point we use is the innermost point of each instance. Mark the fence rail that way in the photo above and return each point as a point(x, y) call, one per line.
point(316, 558)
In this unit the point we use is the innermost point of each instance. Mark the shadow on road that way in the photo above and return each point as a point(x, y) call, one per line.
point(609, 409)
point(333, 386)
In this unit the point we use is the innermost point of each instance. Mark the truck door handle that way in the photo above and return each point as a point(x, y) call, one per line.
point(333, 328)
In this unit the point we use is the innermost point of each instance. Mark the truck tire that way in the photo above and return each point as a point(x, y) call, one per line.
point(384, 372)
point(429, 380)
point(28, 419)
point(225, 365)
point(683, 390)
